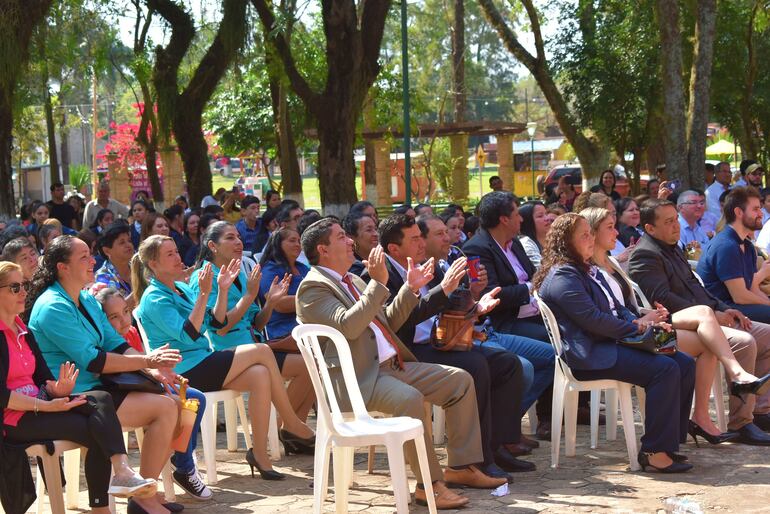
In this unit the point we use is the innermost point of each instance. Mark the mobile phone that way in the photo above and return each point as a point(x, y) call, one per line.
point(674, 185)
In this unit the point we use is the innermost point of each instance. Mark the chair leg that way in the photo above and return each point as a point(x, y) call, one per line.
point(428, 416)
point(532, 416)
point(320, 471)
point(40, 490)
point(342, 473)
point(627, 413)
point(641, 398)
point(370, 460)
point(53, 481)
point(209, 439)
point(273, 443)
point(422, 458)
point(611, 411)
point(72, 475)
point(398, 475)
point(439, 425)
point(245, 421)
point(570, 422)
point(168, 483)
point(557, 413)
point(719, 398)
point(596, 398)
point(231, 425)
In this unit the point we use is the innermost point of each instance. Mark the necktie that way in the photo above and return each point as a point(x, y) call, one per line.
point(385, 332)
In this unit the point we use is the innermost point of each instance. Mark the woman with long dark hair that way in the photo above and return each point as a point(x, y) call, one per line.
point(154, 224)
point(171, 312)
point(139, 210)
point(70, 326)
point(192, 235)
point(362, 229)
point(535, 224)
point(592, 323)
point(104, 219)
point(279, 258)
point(606, 185)
point(245, 319)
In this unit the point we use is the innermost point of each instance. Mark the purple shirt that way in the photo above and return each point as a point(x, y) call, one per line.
point(531, 309)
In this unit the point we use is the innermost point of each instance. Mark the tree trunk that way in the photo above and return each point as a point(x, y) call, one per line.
point(749, 143)
point(50, 125)
point(370, 150)
point(18, 19)
point(64, 147)
point(147, 138)
point(458, 61)
point(287, 150)
point(336, 134)
point(194, 151)
point(674, 135)
point(700, 87)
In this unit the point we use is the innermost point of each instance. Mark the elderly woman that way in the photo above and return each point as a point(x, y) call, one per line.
point(23, 253)
point(592, 324)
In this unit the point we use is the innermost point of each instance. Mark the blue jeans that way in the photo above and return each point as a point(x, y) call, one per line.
point(536, 357)
point(184, 461)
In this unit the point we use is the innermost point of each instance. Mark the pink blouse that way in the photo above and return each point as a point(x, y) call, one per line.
point(21, 368)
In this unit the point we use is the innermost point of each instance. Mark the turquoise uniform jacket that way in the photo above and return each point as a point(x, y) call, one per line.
point(241, 331)
point(164, 315)
point(64, 333)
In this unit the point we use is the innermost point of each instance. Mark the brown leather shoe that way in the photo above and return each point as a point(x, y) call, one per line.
point(445, 497)
point(529, 442)
point(518, 449)
point(471, 477)
point(543, 430)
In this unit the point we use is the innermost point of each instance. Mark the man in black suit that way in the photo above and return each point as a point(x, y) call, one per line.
point(497, 374)
point(507, 266)
point(660, 268)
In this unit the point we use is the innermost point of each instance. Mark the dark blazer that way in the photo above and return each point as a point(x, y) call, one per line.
point(429, 305)
point(588, 328)
point(665, 276)
point(134, 236)
point(500, 273)
point(14, 466)
point(358, 268)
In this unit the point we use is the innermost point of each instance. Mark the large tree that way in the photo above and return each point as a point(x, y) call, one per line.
point(18, 19)
point(686, 119)
point(353, 37)
point(592, 154)
point(180, 110)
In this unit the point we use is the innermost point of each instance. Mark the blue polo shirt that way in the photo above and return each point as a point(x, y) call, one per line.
point(724, 260)
point(248, 236)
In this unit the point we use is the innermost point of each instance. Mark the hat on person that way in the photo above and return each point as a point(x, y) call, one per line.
point(754, 167)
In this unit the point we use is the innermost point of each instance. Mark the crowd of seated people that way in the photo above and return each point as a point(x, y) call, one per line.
point(219, 288)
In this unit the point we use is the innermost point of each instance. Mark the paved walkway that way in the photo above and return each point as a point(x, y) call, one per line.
point(727, 478)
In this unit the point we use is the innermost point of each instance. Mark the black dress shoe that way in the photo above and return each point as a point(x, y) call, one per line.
point(674, 467)
point(762, 421)
point(751, 434)
point(496, 471)
point(543, 431)
point(518, 449)
point(508, 462)
point(584, 417)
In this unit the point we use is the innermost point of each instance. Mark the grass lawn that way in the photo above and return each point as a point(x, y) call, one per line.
point(312, 193)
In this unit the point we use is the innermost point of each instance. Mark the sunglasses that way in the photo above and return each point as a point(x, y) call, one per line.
point(15, 287)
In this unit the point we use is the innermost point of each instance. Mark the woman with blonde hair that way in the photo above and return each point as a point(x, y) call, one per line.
point(172, 313)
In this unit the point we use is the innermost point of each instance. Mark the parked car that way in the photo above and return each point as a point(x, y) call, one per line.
point(574, 173)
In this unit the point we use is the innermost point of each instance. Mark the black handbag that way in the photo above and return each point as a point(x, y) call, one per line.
point(654, 340)
point(138, 381)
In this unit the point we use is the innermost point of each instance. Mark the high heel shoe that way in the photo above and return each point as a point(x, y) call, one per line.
point(266, 474)
point(758, 387)
point(696, 430)
point(677, 457)
point(295, 444)
point(675, 467)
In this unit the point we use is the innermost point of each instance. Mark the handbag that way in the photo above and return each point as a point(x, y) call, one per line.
point(138, 381)
point(654, 340)
point(453, 332)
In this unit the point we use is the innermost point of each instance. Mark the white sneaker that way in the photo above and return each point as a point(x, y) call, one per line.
point(134, 485)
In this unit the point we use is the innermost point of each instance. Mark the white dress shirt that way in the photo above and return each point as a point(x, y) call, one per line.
point(422, 330)
point(713, 192)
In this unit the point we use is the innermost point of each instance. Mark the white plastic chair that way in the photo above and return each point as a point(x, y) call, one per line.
point(565, 397)
point(345, 433)
point(233, 401)
point(52, 472)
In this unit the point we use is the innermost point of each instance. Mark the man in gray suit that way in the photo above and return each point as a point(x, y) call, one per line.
point(389, 376)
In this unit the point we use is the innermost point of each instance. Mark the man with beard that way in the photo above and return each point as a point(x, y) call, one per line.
point(729, 266)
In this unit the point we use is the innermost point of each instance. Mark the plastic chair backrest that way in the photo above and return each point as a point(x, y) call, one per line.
point(552, 327)
point(142, 333)
point(307, 340)
point(640, 294)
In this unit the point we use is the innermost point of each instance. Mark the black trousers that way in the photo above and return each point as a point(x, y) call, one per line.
point(499, 382)
point(94, 425)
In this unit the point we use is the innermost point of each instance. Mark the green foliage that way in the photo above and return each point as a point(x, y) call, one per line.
point(80, 175)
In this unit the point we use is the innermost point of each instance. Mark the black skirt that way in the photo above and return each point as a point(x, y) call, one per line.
point(210, 374)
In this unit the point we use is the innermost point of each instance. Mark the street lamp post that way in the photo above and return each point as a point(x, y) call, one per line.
point(531, 128)
point(405, 102)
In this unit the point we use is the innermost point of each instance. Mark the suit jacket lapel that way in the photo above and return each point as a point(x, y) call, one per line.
point(499, 253)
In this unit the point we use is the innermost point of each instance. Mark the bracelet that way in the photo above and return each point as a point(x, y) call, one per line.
point(35, 405)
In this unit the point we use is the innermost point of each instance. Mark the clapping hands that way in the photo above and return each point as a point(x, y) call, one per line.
point(419, 275)
point(228, 274)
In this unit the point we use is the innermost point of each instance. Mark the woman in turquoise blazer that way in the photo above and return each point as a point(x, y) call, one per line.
point(172, 313)
point(69, 325)
point(221, 246)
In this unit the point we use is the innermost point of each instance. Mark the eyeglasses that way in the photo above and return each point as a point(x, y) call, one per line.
point(701, 202)
point(15, 287)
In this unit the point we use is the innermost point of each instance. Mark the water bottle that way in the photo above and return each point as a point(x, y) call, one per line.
point(677, 505)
